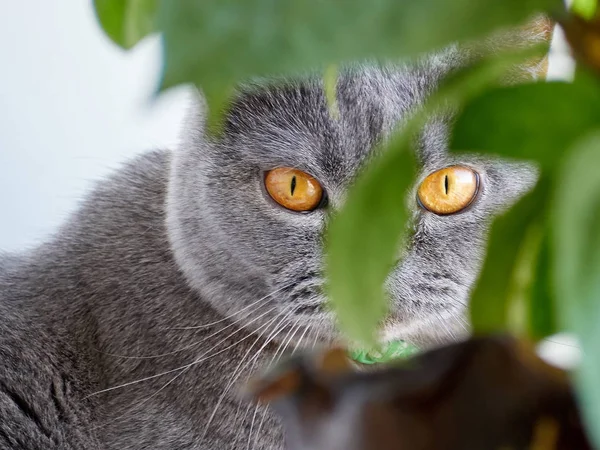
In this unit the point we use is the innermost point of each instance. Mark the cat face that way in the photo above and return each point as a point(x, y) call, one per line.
point(253, 255)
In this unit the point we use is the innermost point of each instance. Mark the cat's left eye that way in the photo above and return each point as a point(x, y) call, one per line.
point(449, 190)
point(293, 189)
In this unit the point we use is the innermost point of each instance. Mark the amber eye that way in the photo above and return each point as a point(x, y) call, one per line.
point(293, 189)
point(449, 190)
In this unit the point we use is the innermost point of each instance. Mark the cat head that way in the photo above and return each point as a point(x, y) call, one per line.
point(250, 252)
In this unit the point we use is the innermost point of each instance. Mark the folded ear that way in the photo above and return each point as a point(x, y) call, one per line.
point(536, 32)
point(197, 111)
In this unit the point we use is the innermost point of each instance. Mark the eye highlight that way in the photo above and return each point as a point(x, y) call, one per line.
point(293, 189)
point(449, 190)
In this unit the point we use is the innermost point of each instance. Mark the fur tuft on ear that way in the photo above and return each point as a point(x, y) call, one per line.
point(536, 32)
point(197, 110)
point(193, 131)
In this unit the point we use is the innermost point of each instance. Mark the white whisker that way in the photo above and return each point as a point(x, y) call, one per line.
point(183, 370)
point(318, 333)
point(196, 343)
point(442, 322)
point(237, 412)
point(279, 347)
point(463, 324)
point(252, 426)
point(199, 327)
point(240, 367)
point(276, 358)
point(241, 432)
point(187, 365)
point(306, 328)
point(562, 343)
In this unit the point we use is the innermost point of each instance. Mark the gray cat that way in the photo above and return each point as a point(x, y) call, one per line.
point(186, 271)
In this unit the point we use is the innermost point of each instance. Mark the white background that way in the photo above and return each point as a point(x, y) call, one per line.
point(72, 106)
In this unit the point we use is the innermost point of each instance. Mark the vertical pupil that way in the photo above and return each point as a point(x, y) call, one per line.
point(446, 183)
point(293, 186)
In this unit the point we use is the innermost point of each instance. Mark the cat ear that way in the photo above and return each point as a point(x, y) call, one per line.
point(197, 110)
point(193, 131)
point(540, 30)
point(536, 32)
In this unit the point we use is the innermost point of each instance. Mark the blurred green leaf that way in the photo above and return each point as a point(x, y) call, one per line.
point(503, 290)
point(576, 241)
point(215, 43)
point(541, 311)
point(585, 8)
point(363, 239)
point(126, 22)
point(330, 80)
point(535, 121)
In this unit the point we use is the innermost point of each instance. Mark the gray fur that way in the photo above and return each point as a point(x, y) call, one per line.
point(186, 238)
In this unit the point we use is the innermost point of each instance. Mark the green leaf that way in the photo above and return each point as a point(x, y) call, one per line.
point(330, 80)
point(392, 351)
point(126, 22)
point(364, 238)
point(541, 311)
point(535, 121)
point(576, 242)
point(503, 290)
point(215, 43)
point(585, 8)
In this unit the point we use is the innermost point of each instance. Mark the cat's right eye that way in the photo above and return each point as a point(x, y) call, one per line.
point(294, 189)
